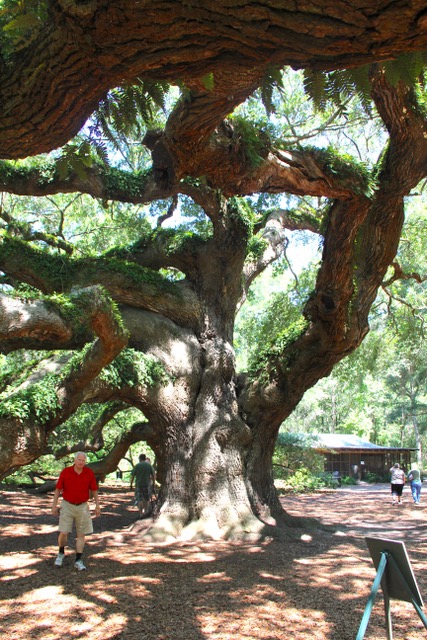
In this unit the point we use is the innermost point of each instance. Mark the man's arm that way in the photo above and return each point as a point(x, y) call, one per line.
point(54, 507)
point(95, 496)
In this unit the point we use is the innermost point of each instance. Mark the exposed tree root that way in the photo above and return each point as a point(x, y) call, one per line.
point(168, 529)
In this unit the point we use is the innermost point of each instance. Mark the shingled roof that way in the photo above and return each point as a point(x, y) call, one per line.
point(339, 441)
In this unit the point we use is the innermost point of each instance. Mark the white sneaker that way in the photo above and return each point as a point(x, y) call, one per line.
point(59, 559)
point(79, 565)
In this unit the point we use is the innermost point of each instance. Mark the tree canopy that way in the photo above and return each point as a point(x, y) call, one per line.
point(119, 305)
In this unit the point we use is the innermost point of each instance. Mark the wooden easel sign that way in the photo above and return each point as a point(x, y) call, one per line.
point(397, 580)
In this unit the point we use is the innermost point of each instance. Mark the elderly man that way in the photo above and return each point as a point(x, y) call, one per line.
point(75, 483)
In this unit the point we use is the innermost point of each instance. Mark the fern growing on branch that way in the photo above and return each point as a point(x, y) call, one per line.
point(337, 87)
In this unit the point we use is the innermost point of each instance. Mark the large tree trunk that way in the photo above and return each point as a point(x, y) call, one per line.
point(205, 494)
point(204, 490)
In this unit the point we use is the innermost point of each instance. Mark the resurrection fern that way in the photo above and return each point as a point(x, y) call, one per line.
point(256, 247)
point(80, 155)
point(272, 80)
point(20, 23)
point(275, 349)
point(240, 210)
point(131, 368)
point(357, 175)
point(315, 87)
point(409, 68)
point(39, 401)
point(126, 110)
point(122, 114)
point(254, 142)
point(208, 81)
point(13, 373)
point(338, 86)
point(344, 84)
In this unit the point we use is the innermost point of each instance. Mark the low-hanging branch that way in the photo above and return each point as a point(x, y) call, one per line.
point(47, 399)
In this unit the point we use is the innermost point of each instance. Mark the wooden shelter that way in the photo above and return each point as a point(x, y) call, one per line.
point(350, 455)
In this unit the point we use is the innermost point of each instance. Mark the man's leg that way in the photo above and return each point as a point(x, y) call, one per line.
point(62, 541)
point(65, 525)
point(80, 544)
point(141, 507)
point(138, 499)
point(84, 527)
point(145, 498)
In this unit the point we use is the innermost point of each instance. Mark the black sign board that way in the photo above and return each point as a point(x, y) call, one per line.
point(397, 580)
point(392, 582)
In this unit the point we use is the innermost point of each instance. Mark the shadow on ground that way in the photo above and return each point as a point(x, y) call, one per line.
point(316, 587)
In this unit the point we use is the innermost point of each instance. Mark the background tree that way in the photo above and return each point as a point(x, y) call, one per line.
point(150, 323)
point(379, 389)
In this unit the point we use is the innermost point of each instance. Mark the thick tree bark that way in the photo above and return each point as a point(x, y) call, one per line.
point(50, 87)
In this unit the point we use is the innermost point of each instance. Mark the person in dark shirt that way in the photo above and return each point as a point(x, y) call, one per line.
point(75, 483)
point(143, 474)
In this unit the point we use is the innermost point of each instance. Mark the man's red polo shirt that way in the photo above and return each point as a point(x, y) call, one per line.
point(75, 486)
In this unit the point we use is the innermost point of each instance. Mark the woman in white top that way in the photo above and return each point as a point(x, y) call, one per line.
point(397, 482)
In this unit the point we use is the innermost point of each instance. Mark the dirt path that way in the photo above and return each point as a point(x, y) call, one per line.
point(315, 585)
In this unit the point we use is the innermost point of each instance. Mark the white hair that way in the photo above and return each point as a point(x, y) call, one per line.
point(80, 453)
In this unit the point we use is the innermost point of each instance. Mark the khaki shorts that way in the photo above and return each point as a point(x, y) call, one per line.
point(79, 514)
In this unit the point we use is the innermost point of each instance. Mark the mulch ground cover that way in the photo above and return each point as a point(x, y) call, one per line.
point(313, 585)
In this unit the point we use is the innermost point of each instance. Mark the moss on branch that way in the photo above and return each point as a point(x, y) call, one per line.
point(117, 181)
point(38, 402)
point(47, 176)
point(357, 175)
point(133, 273)
point(46, 271)
point(54, 273)
point(275, 348)
point(131, 368)
point(253, 140)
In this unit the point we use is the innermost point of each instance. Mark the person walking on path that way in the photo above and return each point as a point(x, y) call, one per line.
point(397, 483)
point(143, 474)
point(414, 477)
point(76, 483)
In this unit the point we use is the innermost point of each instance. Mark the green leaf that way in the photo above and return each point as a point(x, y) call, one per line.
point(315, 87)
point(208, 81)
point(24, 21)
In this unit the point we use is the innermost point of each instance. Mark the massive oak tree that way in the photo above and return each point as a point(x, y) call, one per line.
point(116, 327)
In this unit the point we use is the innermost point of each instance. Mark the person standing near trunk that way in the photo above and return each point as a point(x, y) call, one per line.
point(76, 483)
point(143, 474)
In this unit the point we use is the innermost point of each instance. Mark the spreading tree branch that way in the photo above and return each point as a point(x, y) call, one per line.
point(47, 398)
